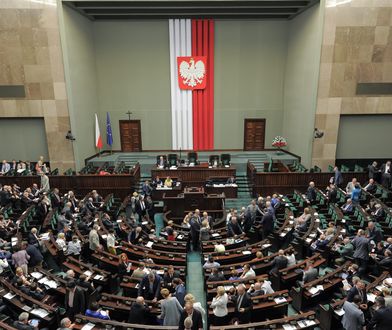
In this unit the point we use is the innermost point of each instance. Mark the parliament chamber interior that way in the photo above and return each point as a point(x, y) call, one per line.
point(186, 164)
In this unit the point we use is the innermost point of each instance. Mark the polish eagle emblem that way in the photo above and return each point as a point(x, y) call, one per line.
point(192, 72)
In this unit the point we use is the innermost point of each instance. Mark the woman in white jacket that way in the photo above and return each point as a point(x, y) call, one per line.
point(219, 306)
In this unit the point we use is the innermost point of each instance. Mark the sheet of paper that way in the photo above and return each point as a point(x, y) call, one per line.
point(246, 252)
point(36, 275)
point(104, 236)
point(88, 273)
point(9, 295)
point(280, 300)
point(40, 312)
point(339, 312)
point(88, 326)
point(289, 327)
point(42, 280)
point(98, 277)
point(149, 244)
point(266, 246)
point(371, 297)
point(215, 235)
point(26, 308)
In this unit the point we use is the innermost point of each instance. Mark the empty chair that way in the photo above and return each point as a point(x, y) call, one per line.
point(225, 159)
point(192, 157)
point(173, 160)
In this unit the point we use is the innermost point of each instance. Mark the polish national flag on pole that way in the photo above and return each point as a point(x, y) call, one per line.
point(98, 138)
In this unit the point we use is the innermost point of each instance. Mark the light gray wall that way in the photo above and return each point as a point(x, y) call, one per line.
point(79, 62)
point(366, 136)
point(133, 73)
point(23, 139)
point(301, 81)
point(249, 76)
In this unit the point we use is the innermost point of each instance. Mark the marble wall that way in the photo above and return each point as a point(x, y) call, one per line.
point(356, 47)
point(30, 55)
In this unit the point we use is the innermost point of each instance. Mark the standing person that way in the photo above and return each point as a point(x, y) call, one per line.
point(382, 317)
point(195, 230)
point(361, 251)
point(74, 300)
point(170, 309)
point(45, 187)
point(311, 194)
point(338, 178)
point(179, 290)
point(219, 306)
point(243, 304)
point(373, 171)
point(139, 312)
point(267, 223)
point(20, 258)
point(93, 239)
point(353, 318)
point(194, 314)
point(386, 174)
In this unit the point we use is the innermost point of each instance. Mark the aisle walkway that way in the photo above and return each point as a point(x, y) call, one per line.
point(195, 279)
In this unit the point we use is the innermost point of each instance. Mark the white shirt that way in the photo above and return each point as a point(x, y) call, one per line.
point(291, 261)
point(267, 288)
point(249, 273)
point(219, 305)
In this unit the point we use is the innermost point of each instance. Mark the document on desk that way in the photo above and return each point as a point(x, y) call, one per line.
point(9, 295)
point(246, 252)
point(280, 300)
point(98, 277)
point(26, 308)
point(371, 297)
point(289, 327)
point(42, 313)
point(88, 326)
point(43, 280)
point(51, 284)
point(306, 323)
point(88, 273)
point(36, 275)
point(264, 246)
point(215, 235)
point(149, 244)
point(339, 312)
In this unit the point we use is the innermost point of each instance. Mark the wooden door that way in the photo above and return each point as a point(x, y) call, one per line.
point(131, 135)
point(254, 134)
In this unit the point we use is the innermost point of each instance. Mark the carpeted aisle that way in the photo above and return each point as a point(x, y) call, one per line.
point(159, 223)
point(195, 279)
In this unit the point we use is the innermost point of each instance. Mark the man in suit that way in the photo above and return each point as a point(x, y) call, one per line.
point(90, 205)
point(373, 171)
point(371, 187)
point(382, 317)
point(45, 187)
point(279, 262)
point(194, 314)
point(373, 233)
point(139, 312)
point(23, 322)
point(353, 318)
point(358, 290)
point(332, 193)
point(169, 275)
point(195, 224)
point(55, 198)
point(215, 276)
point(267, 223)
point(361, 251)
point(243, 304)
point(179, 290)
point(233, 228)
point(348, 207)
point(5, 168)
point(36, 257)
point(150, 287)
point(309, 274)
point(161, 162)
point(140, 207)
point(311, 193)
point(74, 300)
point(338, 178)
point(146, 188)
point(379, 213)
point(386, 174)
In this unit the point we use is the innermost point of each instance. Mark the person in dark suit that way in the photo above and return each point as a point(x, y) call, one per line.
point(36, 257)
point(332, 193)
point(243, 304)
point(382, 317)
point(386, 174)
point(150, 287)
point(139, 312)
point(311, 193)
point(279, 262)
point(140, 207)
point(378, 213)
point(361, 251)
point(189, 311)
point(23, 322)
point(338, 178)
point(373, 233)
point(233, 227)
point(146, 188)
point(348, 207)
point(195, 224)
point(169, 275)
point(74, 300)
point(32, 237)
point(267, 223)
point(55, 198)
point(358, 289)
point(162, 162)
point(179, 290)
point(373, 171)
point(371, 187)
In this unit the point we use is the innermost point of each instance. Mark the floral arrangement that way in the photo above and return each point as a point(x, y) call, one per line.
point(279, 142)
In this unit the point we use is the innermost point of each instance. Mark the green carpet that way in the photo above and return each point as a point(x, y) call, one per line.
point(159, 224)
point(195, 280)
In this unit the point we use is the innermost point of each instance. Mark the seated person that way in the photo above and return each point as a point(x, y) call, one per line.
point(36, 292)
point(378, 213)
point(348, 207)
point(24, 323)
point(371, 187)
point(233, 228)
point(96, 312)
point(231, 180)
point(247, 272)
point(168, 182)
point(320, 244)
point(234, 275)
point(157, 182)
point(161, 162)
point(211, 263)
point(216, 276)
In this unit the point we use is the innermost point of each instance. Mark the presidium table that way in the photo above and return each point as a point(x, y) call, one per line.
point(191, 176)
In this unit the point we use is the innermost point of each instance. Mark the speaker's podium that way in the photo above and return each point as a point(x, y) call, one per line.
point(193, 198)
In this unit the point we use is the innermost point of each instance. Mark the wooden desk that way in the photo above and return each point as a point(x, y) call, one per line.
point(194, 175)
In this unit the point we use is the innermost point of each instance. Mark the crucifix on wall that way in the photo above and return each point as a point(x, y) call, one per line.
point(129, 113)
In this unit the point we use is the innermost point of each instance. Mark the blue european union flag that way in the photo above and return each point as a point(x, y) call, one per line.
point(109, 136)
